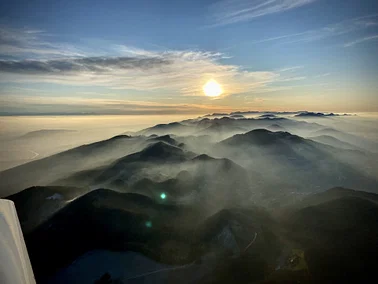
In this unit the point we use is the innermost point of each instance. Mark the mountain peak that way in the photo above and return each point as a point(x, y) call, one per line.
point(263, 136)
point(122, 136)
point(162, 150)
point(203, 157)
point(170, 128)
point(165, 138)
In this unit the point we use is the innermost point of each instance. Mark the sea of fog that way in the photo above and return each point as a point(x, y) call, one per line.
point(27, 138)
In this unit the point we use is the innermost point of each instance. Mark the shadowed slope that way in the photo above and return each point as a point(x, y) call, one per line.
point(47, 170)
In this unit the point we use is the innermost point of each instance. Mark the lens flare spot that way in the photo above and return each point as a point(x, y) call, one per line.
point(163, 195)
point(148, 224)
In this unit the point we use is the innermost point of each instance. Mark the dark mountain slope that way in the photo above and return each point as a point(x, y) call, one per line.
point(358, 141)
point(104, 219)
point(166, 138)
point(226, 125)
point(262, 137)
point(158, 169)
point(45, 171)
point(311, 165)
point(159, 151)
point(154, 155)
point(338, 232)
point(332, 141)
point(176, 128)
point(336, 236)
point(275, 127)
point(314, 115)
point(205, 182)
point(333, 194)
point(246, 243)
point(37, 204)
point(133, 166)
point(220, 131)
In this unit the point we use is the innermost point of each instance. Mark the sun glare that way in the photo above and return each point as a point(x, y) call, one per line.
point(212, 89)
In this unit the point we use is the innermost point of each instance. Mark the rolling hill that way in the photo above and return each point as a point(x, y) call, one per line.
point(47, 170)
point(277, 155)
point(250, 208)
point(336, 235)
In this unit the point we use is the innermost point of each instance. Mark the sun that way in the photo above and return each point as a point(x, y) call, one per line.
point(212, 89)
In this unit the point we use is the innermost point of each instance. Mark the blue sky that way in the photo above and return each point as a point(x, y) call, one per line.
point(145, 57)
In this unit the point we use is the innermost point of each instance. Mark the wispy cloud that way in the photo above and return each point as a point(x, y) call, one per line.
point(232, 11)
point(284, 37)
point(290, 69)
point(99, 65)
point(170, 71)
point(32, 43)
point(361, 40)
point(294, 78)
point(74, 105)
point(330, 31)
point(38, 59)
point(322, 75)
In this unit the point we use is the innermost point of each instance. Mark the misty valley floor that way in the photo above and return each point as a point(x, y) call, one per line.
point(241, 197)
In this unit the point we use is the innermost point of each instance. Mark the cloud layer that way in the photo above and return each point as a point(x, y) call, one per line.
point(77, 65)
point(334, 30)
point(73, 105)
point(29, 42)
point(361, 40)
point(172, 71)
point(232, 11)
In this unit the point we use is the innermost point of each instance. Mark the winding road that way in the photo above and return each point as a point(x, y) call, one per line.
point(249, 245)
point(161, 270)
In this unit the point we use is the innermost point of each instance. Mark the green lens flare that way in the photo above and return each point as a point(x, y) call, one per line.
point(163, 196)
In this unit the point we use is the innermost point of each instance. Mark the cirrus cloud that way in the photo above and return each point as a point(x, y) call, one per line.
point(232, 11)
point(42, 105)
point(172, 71)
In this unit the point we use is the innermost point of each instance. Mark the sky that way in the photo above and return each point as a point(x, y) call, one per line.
point(154, 57)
